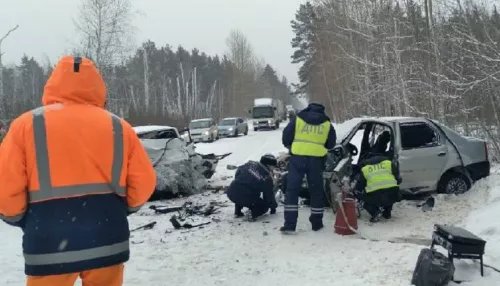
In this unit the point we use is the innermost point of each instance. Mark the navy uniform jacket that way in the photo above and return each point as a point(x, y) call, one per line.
point(250, 180)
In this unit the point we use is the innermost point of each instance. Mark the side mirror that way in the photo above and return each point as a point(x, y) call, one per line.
point(250, 111)
point(274, 108)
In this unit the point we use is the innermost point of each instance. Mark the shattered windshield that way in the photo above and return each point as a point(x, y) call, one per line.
point(263, 112)
point(227, 122)
point(343, 129)
point(199, 124)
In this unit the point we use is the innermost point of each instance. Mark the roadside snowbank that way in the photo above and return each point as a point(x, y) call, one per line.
point(484, 222)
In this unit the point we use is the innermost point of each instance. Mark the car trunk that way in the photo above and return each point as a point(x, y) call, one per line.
point(472, 150)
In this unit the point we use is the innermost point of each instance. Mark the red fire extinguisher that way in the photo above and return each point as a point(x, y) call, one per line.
point(346, 220)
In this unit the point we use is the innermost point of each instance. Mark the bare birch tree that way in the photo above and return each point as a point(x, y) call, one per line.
point(241, 54)
point(105, 28)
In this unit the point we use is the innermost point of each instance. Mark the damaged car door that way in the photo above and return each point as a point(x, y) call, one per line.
point(423, 155)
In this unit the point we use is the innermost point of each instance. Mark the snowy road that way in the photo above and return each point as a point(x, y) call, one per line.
point(233, 252)
point(244, 148)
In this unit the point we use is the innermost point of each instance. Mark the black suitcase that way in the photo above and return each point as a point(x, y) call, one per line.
point(432, 269)
point(458, 235)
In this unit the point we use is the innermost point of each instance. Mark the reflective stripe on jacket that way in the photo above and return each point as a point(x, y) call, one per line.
point(310, 139)
point(379, 176)
point(70, 173)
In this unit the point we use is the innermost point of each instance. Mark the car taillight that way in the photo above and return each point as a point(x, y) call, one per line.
point(486, 151)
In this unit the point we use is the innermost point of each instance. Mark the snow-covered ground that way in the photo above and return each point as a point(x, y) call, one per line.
point(231, 251)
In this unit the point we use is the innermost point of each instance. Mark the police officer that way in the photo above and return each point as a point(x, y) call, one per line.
point(380, 181)
point(250, 181)
point(308, 138)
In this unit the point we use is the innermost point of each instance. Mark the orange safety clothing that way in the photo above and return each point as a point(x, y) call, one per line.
point(107, 276)
point(70, 173)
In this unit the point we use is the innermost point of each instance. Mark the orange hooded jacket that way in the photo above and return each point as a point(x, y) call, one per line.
point(71, 155)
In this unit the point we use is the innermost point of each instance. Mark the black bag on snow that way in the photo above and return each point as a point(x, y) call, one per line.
point(432, 269)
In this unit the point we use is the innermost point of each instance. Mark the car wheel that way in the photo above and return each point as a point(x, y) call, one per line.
point(235, 133)
point(255, 129)
point(454, 183)
point(246, 131)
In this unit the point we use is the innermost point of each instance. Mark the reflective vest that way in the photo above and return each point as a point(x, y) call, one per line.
point(379, 176)
point(49, 192)
point(309, 140)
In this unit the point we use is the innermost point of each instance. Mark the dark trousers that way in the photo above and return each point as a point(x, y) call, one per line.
point(258, 208)
point(381, 199)
point(298, 167)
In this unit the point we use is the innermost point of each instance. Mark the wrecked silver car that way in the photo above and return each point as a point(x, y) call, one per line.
point(431, 156)
point(179, 169)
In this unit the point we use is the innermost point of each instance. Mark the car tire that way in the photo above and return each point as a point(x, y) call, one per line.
point(246, 132)
point(235, 133)
point(255, 129)
point(454, 183)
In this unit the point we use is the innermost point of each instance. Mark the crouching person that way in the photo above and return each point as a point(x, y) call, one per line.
point(250, 181)
point(380, 181)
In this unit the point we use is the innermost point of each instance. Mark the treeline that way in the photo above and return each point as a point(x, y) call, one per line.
point(161, 85)
point(437, 59)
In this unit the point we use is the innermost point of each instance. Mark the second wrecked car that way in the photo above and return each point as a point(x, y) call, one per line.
point(179, 169)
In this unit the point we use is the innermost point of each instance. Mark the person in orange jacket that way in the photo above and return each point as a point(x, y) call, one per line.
point(70, 174)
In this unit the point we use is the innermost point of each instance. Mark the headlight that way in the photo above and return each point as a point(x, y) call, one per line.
point(270, 121)
point(230, 129)
point(255, 122)
point(206, 132)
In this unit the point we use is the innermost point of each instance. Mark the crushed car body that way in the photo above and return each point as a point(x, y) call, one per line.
point(179, 169)
point(431, 156)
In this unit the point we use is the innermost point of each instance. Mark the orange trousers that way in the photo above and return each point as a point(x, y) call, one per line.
point(108, 276)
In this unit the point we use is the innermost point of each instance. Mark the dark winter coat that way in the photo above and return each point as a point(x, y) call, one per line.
point(250, 181)
point(313, 114)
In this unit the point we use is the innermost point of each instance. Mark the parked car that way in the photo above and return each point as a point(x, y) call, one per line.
point(431, 156)
point(232, 126)
point(204, 130)
point(179, 169)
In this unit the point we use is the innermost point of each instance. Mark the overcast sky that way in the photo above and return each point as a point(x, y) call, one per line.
point(46, 28)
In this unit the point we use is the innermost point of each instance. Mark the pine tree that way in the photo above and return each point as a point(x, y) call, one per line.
point(304, 28)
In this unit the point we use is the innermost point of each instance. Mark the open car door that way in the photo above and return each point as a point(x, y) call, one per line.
point(363, 140)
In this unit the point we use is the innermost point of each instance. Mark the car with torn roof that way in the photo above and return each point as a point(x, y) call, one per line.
point(179, 169)
point(431, 156)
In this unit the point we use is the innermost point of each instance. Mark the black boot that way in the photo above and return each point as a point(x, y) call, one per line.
point(316, 224)
point(317, 227)
point(238, 211)
point(287, 229)
point(375, 219)
point(387, 214)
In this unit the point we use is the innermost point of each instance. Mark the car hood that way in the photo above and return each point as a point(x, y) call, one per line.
point(155, 149)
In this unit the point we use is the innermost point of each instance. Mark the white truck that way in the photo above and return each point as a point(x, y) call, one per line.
point(265, 114)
